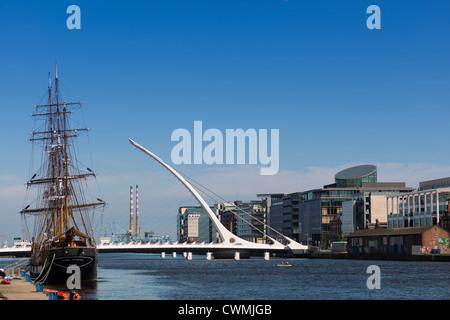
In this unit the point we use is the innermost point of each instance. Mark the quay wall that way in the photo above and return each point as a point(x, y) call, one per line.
point(381, 256)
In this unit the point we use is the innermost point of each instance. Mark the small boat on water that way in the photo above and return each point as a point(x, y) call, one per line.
point(284, 264)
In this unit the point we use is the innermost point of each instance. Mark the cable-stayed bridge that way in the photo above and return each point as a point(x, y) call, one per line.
point(217, 250)
point(228, 246)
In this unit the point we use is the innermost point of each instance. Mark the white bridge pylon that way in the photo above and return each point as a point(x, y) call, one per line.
point(228, 238)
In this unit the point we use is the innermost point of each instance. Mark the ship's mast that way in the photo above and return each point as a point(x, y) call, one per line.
point(51, 151)
point(60, 195)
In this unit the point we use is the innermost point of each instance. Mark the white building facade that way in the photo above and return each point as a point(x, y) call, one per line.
point(416, 209)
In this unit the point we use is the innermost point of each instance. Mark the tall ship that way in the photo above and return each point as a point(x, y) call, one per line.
point(59, 211)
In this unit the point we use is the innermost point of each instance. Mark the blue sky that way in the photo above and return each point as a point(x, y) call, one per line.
point(339, 93)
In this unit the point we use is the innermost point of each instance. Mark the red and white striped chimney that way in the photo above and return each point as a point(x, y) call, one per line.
point(131, 211)
point(137, 212)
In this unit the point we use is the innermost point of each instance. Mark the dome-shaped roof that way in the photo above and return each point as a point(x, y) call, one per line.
point(356, 172)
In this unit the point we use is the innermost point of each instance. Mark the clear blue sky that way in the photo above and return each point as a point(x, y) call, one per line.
point(338, 92)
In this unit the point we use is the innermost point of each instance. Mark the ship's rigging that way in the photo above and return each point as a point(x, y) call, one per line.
point(62, 210)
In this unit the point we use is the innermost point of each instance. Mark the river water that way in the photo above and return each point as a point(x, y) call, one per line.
point(135, 276)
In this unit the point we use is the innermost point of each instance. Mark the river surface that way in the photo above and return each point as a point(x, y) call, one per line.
point(135, 276)
point(143, 276)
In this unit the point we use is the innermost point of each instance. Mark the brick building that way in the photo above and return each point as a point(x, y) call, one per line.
point(413, 240)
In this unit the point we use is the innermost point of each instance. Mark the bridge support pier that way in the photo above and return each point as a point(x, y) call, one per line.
point(266, 255)
point(237, 256)
point(163, 254)
point(174, 254)
point(208, 255)
point(189, 255)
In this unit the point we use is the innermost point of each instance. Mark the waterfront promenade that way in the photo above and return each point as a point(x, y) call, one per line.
point(19, 289)
point(327, 254)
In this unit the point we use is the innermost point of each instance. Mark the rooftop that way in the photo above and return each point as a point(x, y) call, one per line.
point(432, 184)
point(389, 231)
point(356, 172)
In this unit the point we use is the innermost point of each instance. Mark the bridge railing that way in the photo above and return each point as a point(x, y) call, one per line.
point(14, 269)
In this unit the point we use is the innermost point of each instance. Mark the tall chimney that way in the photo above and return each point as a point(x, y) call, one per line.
point(131, 211)
point(137, 213)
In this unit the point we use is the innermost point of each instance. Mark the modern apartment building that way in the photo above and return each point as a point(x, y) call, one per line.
point(368, 208)
point(251, 220)
point(227, 215)
point(317, 208)
point(246, 219)
point(426, 207)
point(274, 213)
point(194, 225)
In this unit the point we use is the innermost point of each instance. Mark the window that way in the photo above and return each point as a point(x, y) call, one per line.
point(396, 244)
point(356, 245)
point(373, 245)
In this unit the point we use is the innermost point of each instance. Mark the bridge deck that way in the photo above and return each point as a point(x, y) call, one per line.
point(195, 248)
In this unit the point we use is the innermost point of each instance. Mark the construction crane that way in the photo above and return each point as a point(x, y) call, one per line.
point(121, 236)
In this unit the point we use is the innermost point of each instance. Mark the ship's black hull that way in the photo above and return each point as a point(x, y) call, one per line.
point(50, 266)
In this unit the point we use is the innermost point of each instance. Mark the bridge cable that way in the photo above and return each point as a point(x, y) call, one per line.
point(226, 201)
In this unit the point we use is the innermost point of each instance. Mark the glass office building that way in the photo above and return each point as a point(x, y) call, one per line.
point(355, 176)
point(417, 209)
point(318, 208)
